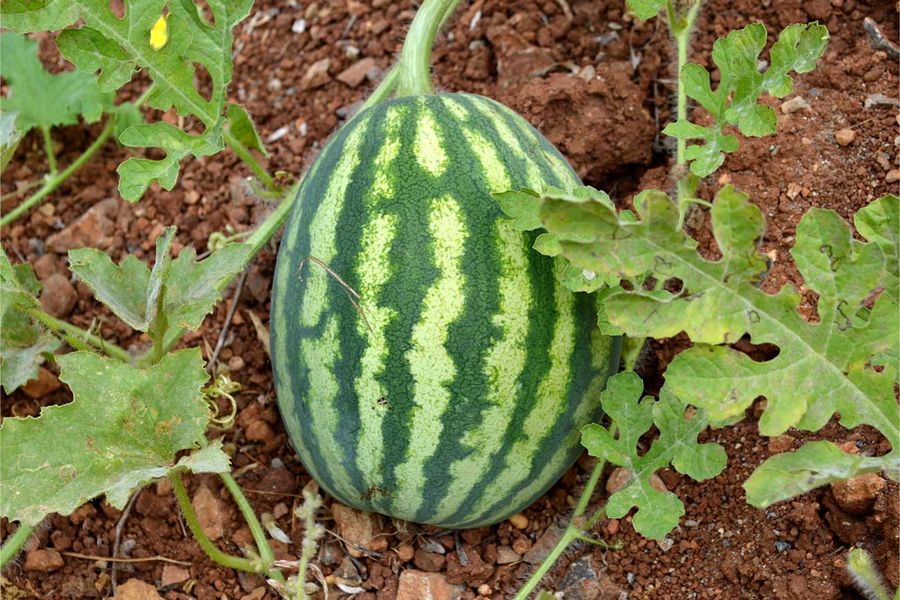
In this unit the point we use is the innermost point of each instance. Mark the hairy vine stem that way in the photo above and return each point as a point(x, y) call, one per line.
point(415, 58)
point(14, 543)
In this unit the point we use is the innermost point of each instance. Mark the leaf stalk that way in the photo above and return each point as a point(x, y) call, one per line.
point(256, 529)
point(247, 157)
point(77, 337)
point(14, 543)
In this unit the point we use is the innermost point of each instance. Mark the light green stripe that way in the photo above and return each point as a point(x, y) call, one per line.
point(600, 347)
point(385, 180)
point(430, 364)
point(504, 363)
point(510, 138)
point(427, 146)
point(550, 401)
point(456, 109)
point(491, 165)
point(322, 354)
point(373, 271)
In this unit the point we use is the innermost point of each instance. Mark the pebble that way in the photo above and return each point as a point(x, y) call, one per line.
point(259, 431)
point(519, 521)
point(316, 75)
point(418, 585)
point(43, 560)
point(618, 479)
point(795, 104)
point(47, 265)
point(485, 590)
point(235, 363)
point(58, 296)
point(44, 384)
point(94, 229)
point(173, 575)
point(612, 527)
point(893, 176)
point(657, 483)
point(521, 545)
point(210, 512)
point(506, 555)
point(356, 73)
point(357, 528)
point(857, 494)
point(845, 136)
point(781, 443)
point(873, 100)
point(665, 544)
point(135, 589)
point(405, 552)
point(428, 561)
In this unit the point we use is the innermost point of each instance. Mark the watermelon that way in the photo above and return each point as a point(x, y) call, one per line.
point(428, 365)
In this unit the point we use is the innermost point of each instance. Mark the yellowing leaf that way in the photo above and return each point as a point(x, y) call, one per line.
point(159, 34)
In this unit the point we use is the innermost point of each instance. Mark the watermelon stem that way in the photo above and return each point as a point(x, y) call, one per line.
point(415, 58)
point(14, 542)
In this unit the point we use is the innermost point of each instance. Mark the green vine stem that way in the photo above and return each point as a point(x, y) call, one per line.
point(415, 58)
point(48, 148)
point(57, 178)
point(14, 543)
point(259, 535)
point(576, 530)
point(77, 337)
point(245, 155)
point(211, 550)
point(383, 91)
point(681, 19)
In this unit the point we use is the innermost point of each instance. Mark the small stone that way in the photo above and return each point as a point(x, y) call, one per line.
point(235, 363)
point(58, 296)
point(44, 384)
point(845, 136)
point(173, 575)
point(543, 545)
point(521, 545)
point(857, 494)
point(428, 561)
point(665, 544)
point(43, 560)
point(257, 594)
point(46, 266)
point(135, 589)
point(259, 431)
point(506, 555)
point(519, 521)
point(781, 443)
point(357, 527)
point(93, 229)
point(485, 590)
point(892, 176)
point(658, 484)
point(356, 73)
point(795, 104)
point(405, 552)
point(316, 75)
point(618, 479)
point(417, 585)
point(793, 190)
point(210, 512)
point(612, 527)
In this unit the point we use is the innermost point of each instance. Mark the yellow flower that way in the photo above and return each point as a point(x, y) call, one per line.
point(159, 35)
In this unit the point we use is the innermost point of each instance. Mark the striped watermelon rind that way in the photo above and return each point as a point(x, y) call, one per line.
point(428, 365)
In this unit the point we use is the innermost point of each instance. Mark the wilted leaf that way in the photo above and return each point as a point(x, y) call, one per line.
point(122, 430)
point(242, 128)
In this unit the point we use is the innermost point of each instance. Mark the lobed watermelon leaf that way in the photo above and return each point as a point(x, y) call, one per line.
point(645, 9)
point(741, 83)
point(845, 363)
point(117, 48)
point(24, 343)
point(123, 429)
point(183, 290)
point(38, 98)
point(658, 512)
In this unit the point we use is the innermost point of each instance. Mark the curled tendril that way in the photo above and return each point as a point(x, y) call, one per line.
point(222, 387)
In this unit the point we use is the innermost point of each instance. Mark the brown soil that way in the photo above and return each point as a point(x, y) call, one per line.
point(599, 85)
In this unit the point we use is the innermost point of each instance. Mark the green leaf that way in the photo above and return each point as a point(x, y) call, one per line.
point(879, 222)
point(41, 99)
point(191, 286)
point(735, 100)
point(118, 48)
point(130, 289)
point(24, 343)
point(815, 464)
point(657, 512)
point(9, 138)
point(646, 9)
point(846, 363)
point(242, 128)
point(122, 430)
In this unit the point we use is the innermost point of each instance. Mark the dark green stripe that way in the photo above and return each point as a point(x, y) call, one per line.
point(404, 292)
point(348, 244)
point(582, 373)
